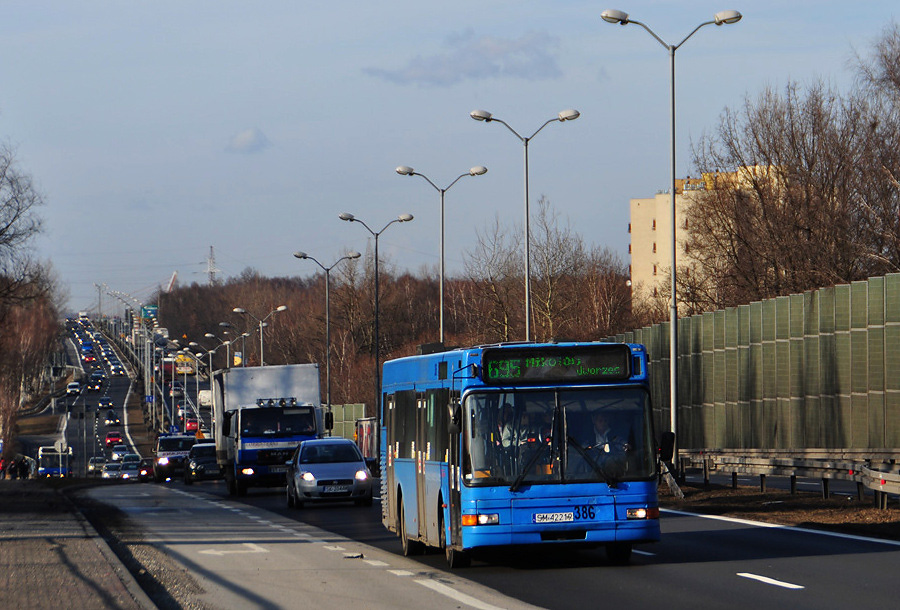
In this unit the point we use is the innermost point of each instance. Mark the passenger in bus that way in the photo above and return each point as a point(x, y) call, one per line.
point(505, 423)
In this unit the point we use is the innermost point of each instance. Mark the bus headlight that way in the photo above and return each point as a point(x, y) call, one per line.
point(162, 461)
point(247, 471)
point(481, 519)
point(642, 513)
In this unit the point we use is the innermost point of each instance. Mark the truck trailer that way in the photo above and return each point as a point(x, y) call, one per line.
point(261, 414)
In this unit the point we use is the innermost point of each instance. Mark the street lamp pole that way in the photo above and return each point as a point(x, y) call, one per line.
point(405, 170)
point(720, 18)
point(242, 311)
point(487, 117)
point(351, 218)
point(327, 270)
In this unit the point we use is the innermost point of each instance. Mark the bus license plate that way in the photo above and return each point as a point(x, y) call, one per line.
point(554, 517)
point(277, 469)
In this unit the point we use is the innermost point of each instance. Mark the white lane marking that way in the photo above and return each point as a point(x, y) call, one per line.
point(334, 548)
point(791, 528)
point(250, 548)
point(770, 581)
point(643, 553)
point(456, 595)
point(401, 572)
point(376, 563)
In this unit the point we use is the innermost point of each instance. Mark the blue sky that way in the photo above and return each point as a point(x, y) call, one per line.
point(158, 129)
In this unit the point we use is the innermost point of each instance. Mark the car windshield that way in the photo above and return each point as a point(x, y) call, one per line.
point(330, 453)
point(277, 421)
point(175, 444)
point(590, 435)
point(208, 451)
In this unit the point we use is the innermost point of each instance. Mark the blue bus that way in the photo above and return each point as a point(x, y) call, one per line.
point(536, 445)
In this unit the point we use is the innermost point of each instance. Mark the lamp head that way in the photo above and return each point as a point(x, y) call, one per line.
point(353, 254)
point(569, 115)
point(405, 170)
point(727, 17)
point(239, 310)
point(614, 16)
point(209, 336)
point(347, 216)
point(299, 254)
point(405, 217)
point(478, 170)
point(281, 308)
point(481, 115)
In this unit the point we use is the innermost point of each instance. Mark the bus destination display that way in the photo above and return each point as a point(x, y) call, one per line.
point(524, 365)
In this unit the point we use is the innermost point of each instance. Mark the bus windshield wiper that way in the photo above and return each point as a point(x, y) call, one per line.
point(591, 461)
point(524, 471)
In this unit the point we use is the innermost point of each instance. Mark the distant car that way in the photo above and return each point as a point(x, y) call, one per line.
point(112, 419)
point(95, 465)
point(131, 467)
point(73, 388)
point(191, 424)
point(328, 470)
point(118, 452)
point(111, 470)
point(176, 390)
point(171, 452)
point(145, 472)
point(113, 437)
point(105, 403)
point(116, 369)
point(201, 464)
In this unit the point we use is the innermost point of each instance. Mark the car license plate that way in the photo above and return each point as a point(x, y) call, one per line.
point(336, 489)
point(554, 517)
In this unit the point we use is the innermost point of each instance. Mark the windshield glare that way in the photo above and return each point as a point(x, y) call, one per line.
point(592, 435)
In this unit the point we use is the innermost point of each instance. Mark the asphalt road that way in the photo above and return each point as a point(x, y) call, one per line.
point(701, 562)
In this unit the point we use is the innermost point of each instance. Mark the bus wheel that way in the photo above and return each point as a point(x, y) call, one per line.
point(240, 488)
point(619, 553)
point(410, 547)
point(455, 558)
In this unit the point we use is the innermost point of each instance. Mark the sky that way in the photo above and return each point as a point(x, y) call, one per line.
point(156, 130)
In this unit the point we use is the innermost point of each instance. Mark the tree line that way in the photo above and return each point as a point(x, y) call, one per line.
point(578, 293)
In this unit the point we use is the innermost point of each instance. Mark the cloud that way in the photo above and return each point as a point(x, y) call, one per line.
point(467, 57)
point(248, 141)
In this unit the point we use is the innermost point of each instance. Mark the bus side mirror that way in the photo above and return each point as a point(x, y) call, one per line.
point(454, 419)
point(667, 446)
point(329, 420)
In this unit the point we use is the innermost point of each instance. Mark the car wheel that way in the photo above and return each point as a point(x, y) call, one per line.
point(188, 480)
point(291, 500)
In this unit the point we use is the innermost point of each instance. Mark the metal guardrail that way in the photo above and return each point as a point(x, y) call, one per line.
point(878, 471)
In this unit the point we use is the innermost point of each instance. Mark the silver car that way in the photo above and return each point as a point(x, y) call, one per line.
point(328, 470)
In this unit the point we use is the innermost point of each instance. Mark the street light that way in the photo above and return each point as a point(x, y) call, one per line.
point(244, 312)
point(478, 170)
point(720, 18)
point(327, 270)
point(227, 345)
point(487, 117)
point(351, 218)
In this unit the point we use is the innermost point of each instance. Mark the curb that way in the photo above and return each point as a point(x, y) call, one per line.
point(131, 585)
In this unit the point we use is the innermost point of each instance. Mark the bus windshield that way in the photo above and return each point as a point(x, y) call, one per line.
point(562, 435)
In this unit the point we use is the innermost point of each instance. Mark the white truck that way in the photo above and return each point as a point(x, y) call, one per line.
point(261, 414)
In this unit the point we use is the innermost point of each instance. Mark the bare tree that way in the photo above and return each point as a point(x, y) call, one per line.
point(494, 269)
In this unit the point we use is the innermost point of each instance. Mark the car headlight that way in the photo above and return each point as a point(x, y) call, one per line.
point(308, 477)
point(162, 461)
point(361, 475)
